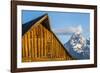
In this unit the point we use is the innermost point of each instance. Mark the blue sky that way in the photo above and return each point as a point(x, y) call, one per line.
point(62, 22)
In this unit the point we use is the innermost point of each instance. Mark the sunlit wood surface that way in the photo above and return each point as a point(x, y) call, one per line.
point(40, 44)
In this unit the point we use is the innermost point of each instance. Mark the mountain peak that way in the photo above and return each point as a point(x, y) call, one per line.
point(77, 41)
point(77, 45)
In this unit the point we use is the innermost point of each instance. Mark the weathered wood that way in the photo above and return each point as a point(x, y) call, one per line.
point(26, 48)
point(39, 44)
point(23, 47)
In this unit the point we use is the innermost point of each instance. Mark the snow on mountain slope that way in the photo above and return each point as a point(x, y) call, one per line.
point(78, 46)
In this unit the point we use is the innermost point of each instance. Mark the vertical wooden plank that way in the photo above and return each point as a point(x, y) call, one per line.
point(26, 49)
point(47, 45)
point(36, 45)
point(28, 46)
point(55, 48)
point(38, 40)
point(30, 53)
point(23, 48)
point(41, 40)
point(61, 49)
point(39, 49)
point(33, 36)
point(31, 44)
point(58, 49)
point(61, 52)
point(45, 42)
point(51, 46)
point(64, 55)
point(35, 39)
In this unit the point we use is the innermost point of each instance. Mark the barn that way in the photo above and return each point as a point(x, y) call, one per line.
point(39, 43)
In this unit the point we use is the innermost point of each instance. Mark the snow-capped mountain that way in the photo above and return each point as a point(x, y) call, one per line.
point(78, 46)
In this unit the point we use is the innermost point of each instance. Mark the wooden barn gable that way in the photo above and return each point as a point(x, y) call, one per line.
point(39, 43)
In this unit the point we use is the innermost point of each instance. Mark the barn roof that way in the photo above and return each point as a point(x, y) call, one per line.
point(28, 25)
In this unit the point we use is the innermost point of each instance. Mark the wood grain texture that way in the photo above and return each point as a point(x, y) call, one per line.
point(40, 44)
